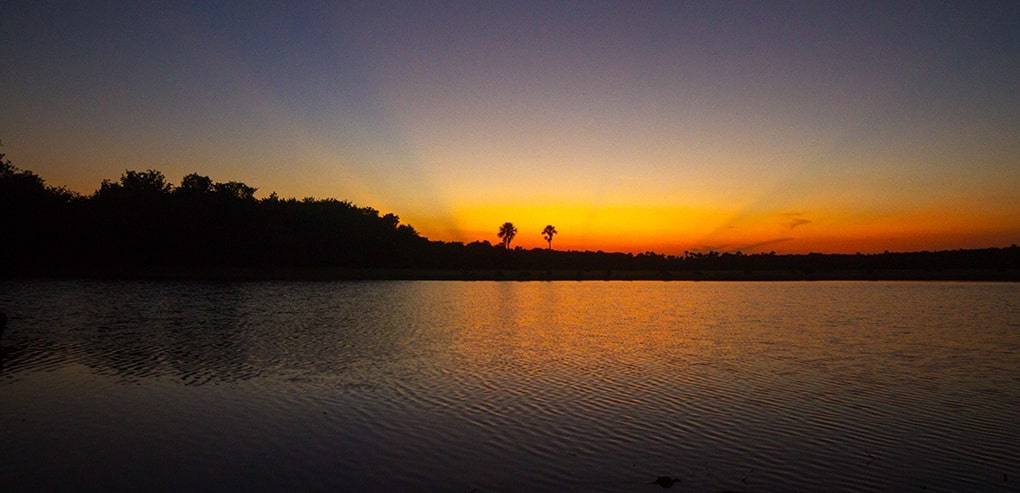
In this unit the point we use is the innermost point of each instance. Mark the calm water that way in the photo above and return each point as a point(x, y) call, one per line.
point(539, 386)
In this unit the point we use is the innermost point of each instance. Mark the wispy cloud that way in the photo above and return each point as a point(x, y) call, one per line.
point(798, 222)
point(794, 219)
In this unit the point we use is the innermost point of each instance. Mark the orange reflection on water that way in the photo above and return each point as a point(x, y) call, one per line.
point(576, 333)
point(779, 348)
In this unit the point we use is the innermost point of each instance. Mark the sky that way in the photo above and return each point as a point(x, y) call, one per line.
point(794, 127)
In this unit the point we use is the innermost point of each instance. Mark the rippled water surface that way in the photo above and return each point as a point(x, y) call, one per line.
point(505, 386)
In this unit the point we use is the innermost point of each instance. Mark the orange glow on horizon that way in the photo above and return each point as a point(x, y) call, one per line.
point(673, 230)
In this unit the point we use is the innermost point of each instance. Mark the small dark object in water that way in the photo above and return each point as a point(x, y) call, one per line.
point(666, 481)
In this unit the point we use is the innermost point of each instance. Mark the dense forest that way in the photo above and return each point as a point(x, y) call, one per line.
point(142, 226)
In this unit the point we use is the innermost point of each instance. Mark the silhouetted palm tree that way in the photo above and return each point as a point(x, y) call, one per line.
point(548, 233)
point(507, 232)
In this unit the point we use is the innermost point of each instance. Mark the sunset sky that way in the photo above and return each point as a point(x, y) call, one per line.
point(630, 126)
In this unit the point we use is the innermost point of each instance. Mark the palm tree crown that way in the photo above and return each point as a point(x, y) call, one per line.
point(548, 233)
point(507, 232)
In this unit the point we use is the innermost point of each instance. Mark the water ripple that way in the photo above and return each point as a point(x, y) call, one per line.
point(513, 386)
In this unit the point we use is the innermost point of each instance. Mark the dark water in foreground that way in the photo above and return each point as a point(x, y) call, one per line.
point(487, 386)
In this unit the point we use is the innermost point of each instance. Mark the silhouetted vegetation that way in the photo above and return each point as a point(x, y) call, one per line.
point(143, 226)
point(548, 234)
point(507, 232)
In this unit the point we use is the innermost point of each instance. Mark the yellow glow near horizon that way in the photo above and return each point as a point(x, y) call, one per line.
point(674, 229)
point(581, 227)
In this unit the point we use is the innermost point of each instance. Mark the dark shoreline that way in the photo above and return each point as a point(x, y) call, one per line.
point(143, 227)
point(222, 274)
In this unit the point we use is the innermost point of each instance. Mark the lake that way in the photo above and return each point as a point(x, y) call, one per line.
point(510, 386)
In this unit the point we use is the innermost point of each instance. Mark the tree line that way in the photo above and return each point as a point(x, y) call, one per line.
point(142, 222)
point(142, 225)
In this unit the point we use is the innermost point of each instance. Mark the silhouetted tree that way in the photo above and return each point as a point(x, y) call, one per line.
point(548, 233)
point(137, 184)
point(507, 232)
point(17, 184)
point(33, 219)
point(194, 184)
point(234, 190)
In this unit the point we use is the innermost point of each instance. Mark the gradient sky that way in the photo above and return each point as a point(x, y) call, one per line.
point(630, 126)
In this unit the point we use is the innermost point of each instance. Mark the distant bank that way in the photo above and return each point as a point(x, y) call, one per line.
point(519, 275)
point(143, 227)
